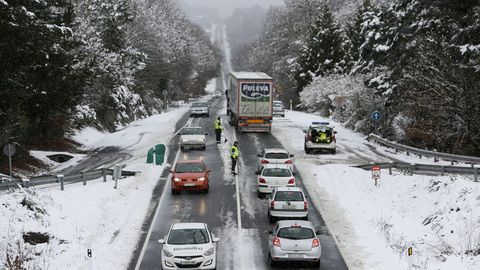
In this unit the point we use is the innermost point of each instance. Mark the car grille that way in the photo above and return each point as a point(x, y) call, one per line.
point(179, 265)
point(188, 257)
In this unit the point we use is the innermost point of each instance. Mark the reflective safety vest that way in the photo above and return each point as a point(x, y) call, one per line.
point(234, 152)
point(217, 124)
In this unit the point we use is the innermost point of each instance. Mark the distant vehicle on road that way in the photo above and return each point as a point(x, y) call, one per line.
point(189, 245)
point(287, 202)
point(320, 136)
point(199, 109)
point(272, 176)
point(217, 94)
point(190, 175)
point(294, 241)
point(192, 137)
point(278, 108)
point(250, 101)
point(275, 156)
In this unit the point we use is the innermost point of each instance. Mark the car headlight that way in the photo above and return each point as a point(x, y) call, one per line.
point(209, 252)
point(201, 179)
point(167, 253)
point(176, 179)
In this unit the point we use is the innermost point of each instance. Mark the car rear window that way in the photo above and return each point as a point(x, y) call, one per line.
point(189, 167)
point(192, 131)
point(277, 172)
point(277, 156)
point(199, 104)
point(296, 233)
point(188, 236)
point(288, 196)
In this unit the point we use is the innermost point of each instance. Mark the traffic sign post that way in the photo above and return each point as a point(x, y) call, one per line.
point(376, 117)
point(376, 173)
point(9, 150)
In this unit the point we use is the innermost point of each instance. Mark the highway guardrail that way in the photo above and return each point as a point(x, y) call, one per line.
point(414, 167)
point(85, 176)
point(422, 152)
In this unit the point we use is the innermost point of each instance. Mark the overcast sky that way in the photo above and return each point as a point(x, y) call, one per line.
point(225, 7)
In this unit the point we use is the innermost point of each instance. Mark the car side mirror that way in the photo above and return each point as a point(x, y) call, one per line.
point(161, 241)
point(257, 173)
point(319, 232)
point(294, 173)
point(215, 239)
point(306, 197)
point(335, 132)
point(292, 155)
point(269, 232)
point(304, 131)
point(206, 134)
point(209, 171)
point(259, 155)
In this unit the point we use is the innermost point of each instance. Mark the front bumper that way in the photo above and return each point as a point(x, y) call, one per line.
point(263, 188)
point(331, 145)
point(288, 213)
point(196, 262)
point(194, 185)
point(192, 144)
point(202, 112)
point(312, 255)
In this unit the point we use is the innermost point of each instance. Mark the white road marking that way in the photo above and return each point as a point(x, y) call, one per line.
point(149, 233)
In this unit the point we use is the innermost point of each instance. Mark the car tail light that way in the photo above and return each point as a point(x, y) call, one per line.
point(261, 180)
point(272, 205)
point(315, 243)
point(264, 161)
point(289, 161)
point(291, 181)
point(305, 205)
point(276, 241)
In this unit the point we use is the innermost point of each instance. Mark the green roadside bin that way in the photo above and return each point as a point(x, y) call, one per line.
point(159, 154)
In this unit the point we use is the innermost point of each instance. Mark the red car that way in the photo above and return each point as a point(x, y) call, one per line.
point(190, 175)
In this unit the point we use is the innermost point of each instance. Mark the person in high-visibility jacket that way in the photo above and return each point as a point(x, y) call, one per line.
point(234, 155)
point(218, 130)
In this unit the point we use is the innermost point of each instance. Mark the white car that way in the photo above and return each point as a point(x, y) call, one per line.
point(217, 94)
point(287, 202)
point(189, 245)
point(277, 108)
point(294, 241)
point(275, 156)
point(199, 109)
point(320, 136)
point(272, 176)
point(192, 137)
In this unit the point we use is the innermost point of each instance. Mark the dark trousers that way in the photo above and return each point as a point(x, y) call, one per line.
point(218, 134)
point(234, 164)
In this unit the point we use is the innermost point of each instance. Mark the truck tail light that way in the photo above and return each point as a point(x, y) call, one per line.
point(262, 180)
point(315, 243)
point(276, 242)
point(291, 181)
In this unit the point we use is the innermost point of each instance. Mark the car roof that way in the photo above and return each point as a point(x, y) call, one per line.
point(290, 223)
point(275, 150)
point(289, 189)
point(190, 161)
point(278, 165)
point(190, 225)
point(192, 127)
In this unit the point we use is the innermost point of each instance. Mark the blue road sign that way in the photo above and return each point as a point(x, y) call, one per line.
point(376, 116)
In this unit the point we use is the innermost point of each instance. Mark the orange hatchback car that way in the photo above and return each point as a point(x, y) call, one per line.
point(190, 175)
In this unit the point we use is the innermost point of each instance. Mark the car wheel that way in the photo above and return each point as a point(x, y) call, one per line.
point(307, 150)
point(271, 261)
point(259, 195)
point(206, 190)
point(316, 264)
point(271, 219)
point(333, 151)
point(174, 192)
point(306, 217)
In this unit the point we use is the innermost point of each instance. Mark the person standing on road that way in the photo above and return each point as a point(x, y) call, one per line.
point(218, 130)
point(234, 155)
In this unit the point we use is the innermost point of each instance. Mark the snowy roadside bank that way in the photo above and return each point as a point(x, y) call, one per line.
point(95, 216)
point(438, 216)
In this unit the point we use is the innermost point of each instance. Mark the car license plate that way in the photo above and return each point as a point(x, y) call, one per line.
point(188, 262)
point(295, 255)
point(286, 206)
point(189, 185)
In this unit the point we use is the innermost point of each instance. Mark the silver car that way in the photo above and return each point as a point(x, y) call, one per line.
point(192, 137)
point(275, 156)
point(287, 202)
point(294, 241)
point(199, 109)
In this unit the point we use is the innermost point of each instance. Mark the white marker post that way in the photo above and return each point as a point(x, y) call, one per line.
point(375, 173)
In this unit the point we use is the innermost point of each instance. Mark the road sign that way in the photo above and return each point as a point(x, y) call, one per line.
point(376, 116)
point(9, 150)
point(375, 171)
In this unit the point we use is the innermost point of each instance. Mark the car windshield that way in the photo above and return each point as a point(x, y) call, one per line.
point(199, 104)
point(277, 156)
point(296, 233)
point(188, 236)
point(277, 172)
point(189, 167)
point(288, 196)
point(192, 131)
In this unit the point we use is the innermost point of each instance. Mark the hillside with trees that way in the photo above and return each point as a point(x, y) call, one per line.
point(417, 62)
point(104, 63)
